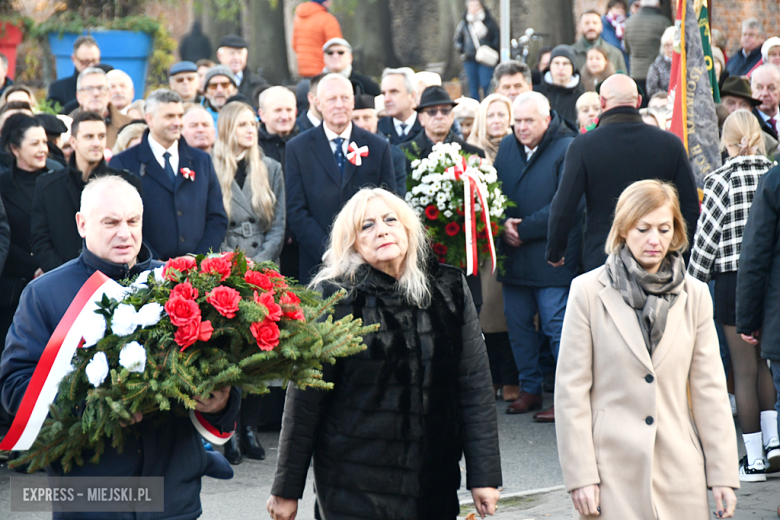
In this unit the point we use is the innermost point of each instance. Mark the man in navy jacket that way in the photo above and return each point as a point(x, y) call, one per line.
point(165, 444)
point(529, 164)
point(183, 200)
point(319, 176)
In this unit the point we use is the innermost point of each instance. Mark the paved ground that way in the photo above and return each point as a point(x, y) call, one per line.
point(529, 463)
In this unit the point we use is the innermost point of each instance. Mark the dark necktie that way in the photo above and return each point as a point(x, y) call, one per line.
point(772, 122)
point(169, 169)
point(403, 130)
point(341, 160)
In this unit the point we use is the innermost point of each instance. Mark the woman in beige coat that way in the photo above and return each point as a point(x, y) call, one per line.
point(638, 333)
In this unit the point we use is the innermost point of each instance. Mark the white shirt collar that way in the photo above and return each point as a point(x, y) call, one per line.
point(158, 151)
point(239, 76)
point(409, 123)
point(331, 135)
point(529, 151)
point(314, 119)
point(766, 117)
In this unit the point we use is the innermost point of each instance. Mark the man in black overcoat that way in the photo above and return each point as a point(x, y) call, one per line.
point(232, 52)
point(55, 237)
point(401, 123)
point(320, 176)
point(603, 162)
point(86, 53)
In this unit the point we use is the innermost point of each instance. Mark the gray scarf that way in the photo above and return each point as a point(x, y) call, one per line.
point(650, 295)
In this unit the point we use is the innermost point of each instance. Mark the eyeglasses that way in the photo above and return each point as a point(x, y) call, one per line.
point(99, 89)
point(445, 111)
point(214, 86)
point(340, 53)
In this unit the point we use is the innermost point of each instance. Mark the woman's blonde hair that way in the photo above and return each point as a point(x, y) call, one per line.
point(226, 152)
point(636, 201)
point(127, 134)
point(741, 129)
point(479, 134)
point(342, 259)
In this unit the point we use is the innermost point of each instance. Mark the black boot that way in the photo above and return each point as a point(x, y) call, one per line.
point(250, 444)
point(233, 451)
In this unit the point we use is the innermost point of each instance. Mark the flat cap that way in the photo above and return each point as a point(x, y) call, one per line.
point(182, 66)
point(51, 124)
point(220, 70)
point(336, 41)
point(232, 40)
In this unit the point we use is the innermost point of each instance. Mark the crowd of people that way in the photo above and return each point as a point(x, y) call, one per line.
point(597, 288)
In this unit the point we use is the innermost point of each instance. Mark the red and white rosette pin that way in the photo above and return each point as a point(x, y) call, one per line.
point(187, 174)
point(355, 154)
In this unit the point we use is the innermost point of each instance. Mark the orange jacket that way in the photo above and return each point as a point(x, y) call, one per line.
point(312, 27)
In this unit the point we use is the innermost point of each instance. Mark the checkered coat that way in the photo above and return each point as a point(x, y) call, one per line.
point(728, 194)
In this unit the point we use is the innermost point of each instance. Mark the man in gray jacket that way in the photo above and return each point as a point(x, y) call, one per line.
point(642, 37)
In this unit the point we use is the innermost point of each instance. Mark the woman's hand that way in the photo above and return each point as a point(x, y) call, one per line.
point(485, 500)
point(720, 494)
point(586, 500)
point(282, 508)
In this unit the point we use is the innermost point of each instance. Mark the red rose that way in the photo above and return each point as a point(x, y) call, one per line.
point(183, 264)
point(266, 333)
point(452, 229)
point(442, 260)
point(225, 300)
point(432, 212)
point(295, 315)
point(482, 234)
point(217, 265)
point(185, 291)
point(439, 249)
point(289, 298)
point(459, 211)
point(182, 312)
point(267, 300)
point(189, 334)
point(290, 303)
point(494, 228)
point(259, 280)
point(277, 278)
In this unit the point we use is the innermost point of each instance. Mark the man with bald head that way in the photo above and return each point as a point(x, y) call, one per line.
point(322, 173)
point(603, 162)
point(276, 108)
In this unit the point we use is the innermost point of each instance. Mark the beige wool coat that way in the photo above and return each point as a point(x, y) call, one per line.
point(623, 420)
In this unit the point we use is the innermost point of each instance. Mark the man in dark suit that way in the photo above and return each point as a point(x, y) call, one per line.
point(603, 162)
point(55, 236)
point(183, 207)
point(765, 85)
point(232, 52)
point(86, 53)
point(310, 117)
point(320, 175)
point(401, 123)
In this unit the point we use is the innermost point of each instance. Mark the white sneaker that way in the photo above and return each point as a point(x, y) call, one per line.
point(755, 472)
point(772, 450)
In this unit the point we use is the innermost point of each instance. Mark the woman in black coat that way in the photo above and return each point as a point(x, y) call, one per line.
point(24, 139)
point(387, 440)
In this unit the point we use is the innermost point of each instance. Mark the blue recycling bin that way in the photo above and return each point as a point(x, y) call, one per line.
point(125, 50)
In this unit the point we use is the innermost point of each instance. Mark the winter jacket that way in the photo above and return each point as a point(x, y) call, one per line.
point(658, 76)
point(245, 229)
point(562, 99)
point(387, 439)
point(5, 235)
point(464, 43)
point(274, 145)
point(164, 444)
point(740, 65)
point(609, 35)
point(728, 195)
point(758, 278)
point(582, 47)
point(643, 39)
point(531, 185)
point(313, 26)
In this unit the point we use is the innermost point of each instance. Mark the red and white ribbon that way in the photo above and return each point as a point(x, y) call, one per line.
point(208, 432)
point(55, 362)
point(187, 174)
point(355, 154)
point(473, 186)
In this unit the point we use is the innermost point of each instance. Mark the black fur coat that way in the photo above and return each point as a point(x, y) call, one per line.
point(387, 440)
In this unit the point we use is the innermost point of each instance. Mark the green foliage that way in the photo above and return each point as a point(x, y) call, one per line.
point(46, 106)
point(85, 417)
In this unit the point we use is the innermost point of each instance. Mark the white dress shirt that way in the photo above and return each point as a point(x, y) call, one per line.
point(331, 135)
point(767, 118)
point(409, 124)
point(239, 76)
point(314, 119)
point(529, 152)
point(158, 151)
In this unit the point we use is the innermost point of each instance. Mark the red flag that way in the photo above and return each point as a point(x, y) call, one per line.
point(678, 100)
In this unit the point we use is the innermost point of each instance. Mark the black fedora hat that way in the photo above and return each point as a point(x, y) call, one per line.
point(738, 86)
point(434, 96)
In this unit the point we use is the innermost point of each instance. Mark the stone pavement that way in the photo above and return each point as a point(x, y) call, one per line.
point(529, 462)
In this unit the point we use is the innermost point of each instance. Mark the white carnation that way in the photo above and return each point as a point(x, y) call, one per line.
point(448, 214)
point(94, 328)
point(158, 274)
point(123, 321)
point(133, 357)
point(97, 369)
point(149, 315)
point(140, 282)
point(416, 163)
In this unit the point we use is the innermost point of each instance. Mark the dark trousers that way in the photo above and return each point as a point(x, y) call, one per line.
point(521, 304)
point(502, 362)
